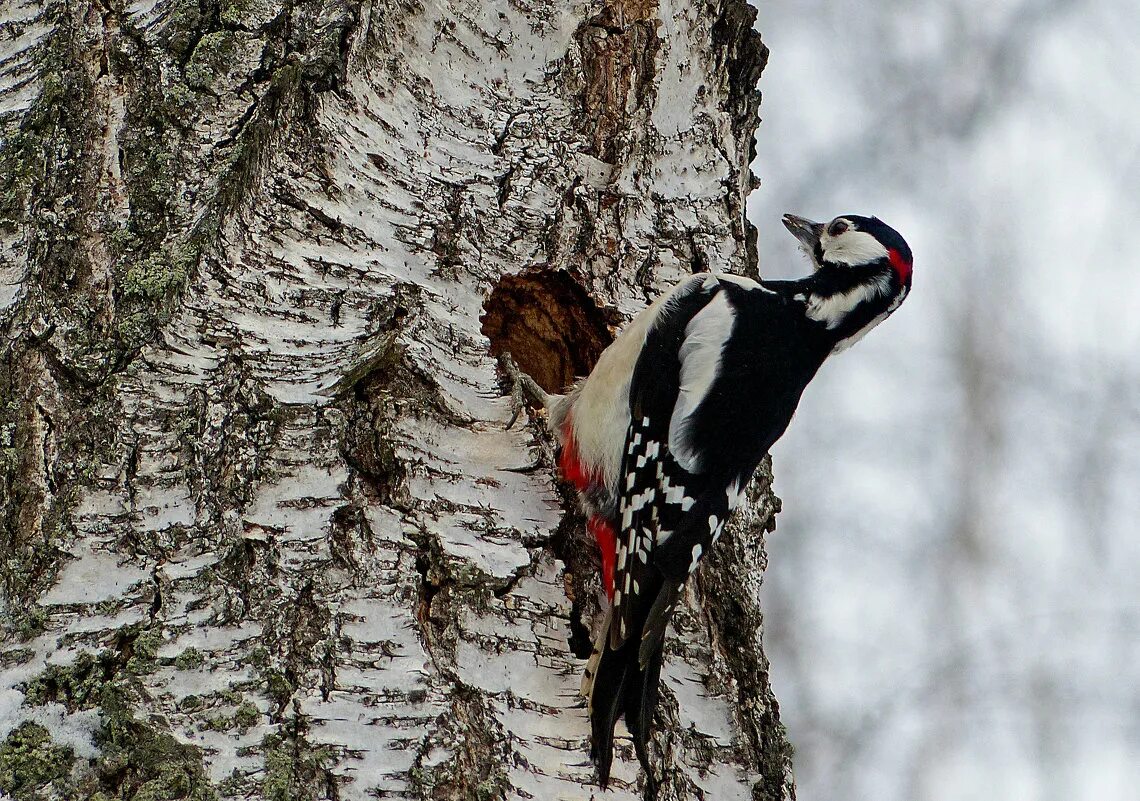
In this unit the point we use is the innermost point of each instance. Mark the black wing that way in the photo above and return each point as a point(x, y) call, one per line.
point(674, 499)
point(717, 382)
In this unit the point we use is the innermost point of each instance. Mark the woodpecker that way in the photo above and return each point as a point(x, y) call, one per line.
point(661, 439)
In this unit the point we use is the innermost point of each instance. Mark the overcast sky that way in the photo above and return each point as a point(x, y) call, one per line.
point(953, 597)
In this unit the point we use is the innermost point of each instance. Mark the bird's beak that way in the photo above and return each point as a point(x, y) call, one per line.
point(806, 231)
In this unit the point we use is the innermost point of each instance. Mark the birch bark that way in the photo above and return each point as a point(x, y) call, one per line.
point(265, 530)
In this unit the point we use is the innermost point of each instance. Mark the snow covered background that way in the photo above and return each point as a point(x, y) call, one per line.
point(953, 601)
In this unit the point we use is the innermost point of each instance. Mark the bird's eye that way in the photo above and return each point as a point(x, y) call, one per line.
point(837, 227)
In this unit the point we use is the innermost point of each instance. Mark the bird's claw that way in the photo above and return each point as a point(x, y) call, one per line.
point(524, 389)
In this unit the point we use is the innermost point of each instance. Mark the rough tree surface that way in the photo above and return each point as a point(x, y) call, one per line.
point(264, 530)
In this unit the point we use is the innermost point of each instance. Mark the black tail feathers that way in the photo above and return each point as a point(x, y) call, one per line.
point(622, 687)
point(607, 697)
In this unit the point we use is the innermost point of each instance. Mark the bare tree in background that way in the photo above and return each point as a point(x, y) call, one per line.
point(265, 530)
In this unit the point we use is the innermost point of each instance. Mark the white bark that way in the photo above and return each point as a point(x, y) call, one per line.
point(265, 532)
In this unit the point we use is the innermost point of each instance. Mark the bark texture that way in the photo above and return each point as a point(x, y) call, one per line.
point(264, 530)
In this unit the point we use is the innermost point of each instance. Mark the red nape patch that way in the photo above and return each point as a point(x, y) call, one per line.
point(901, 265)
point(607, 544)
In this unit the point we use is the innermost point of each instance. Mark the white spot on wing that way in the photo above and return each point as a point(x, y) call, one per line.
point(633, 443)
point(700, 356)
point(676, 494)
point(735, 493)
point(696, 557)
point(639, 501)
point(717, 529)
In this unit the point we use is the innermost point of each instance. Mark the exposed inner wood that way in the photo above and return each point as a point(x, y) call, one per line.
point(550, 326)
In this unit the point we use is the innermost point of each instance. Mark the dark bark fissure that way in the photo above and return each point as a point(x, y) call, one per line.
point(619, 48)
point(188, 150)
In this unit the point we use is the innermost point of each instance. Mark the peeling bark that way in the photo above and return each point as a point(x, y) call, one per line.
point(265, 531)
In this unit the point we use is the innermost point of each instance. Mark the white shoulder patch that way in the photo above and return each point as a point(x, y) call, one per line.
point(603, 397)
point(700, 356)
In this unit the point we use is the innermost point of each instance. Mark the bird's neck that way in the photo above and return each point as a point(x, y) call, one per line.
point(843, 304)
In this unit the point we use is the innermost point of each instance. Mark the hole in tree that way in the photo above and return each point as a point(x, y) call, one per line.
point(555, 332)
point(548, 323)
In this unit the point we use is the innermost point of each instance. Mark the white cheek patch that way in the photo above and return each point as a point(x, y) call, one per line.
point(832, 309)
point(852, 247)
point(844, 344)
point(898, 300)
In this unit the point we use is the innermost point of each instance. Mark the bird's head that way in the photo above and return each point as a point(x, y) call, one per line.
point(851, 242)
point(862, 272)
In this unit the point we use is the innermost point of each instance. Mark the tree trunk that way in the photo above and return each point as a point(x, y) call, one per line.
point(266, 532)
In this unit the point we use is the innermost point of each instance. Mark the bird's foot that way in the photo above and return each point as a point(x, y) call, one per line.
point(525, 391)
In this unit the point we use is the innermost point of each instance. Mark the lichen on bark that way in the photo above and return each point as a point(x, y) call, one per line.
point(266, 531)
